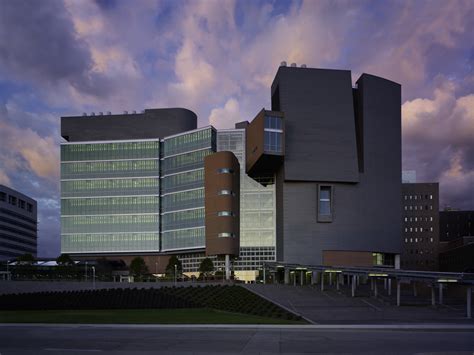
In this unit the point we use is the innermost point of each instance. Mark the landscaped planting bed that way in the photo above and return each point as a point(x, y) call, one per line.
point(226, 298)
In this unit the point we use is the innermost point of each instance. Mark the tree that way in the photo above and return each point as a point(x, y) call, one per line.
point(206, 267)
point(138, 267)
point(64, 259)
point(26, 259)
point(170, 269)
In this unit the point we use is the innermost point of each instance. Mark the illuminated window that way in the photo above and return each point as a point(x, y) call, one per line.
point(226, 235)
point(225, 213)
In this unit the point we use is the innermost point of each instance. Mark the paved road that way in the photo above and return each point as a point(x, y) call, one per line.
point(30, 339)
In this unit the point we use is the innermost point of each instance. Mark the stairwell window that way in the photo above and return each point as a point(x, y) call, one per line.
point(325, 203)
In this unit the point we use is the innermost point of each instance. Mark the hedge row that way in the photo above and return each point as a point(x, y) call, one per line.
point(94, 299)
point(227, 298)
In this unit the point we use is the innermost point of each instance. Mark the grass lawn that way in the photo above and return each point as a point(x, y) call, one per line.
point(139, 316)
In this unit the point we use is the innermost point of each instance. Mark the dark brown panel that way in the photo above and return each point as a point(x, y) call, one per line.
point(347, 258)
point(260, 163)
point(215, 182)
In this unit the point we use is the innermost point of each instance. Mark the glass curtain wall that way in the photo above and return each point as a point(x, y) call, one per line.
point(182, 188)
point(110, 196)
point(257, 208)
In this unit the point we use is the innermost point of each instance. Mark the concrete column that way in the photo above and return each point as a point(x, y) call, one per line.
point(227, 267)
point(371, 284)
point(440, 296)
point(384, 284)
point(342, 279)
point(433, 297)
point(314, 277)
point(294, 278)
point(397, 261)
point(302, 276)
point(330, 279)
point(287, 276)
point(415, 293)
point(375, 288)
point(358, 280)
point(337, 281)
point(398, 292)
point(468, 302)
point(322, 280)
point(389, 287)
point(354, 277)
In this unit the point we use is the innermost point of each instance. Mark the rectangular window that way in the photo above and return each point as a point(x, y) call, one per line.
point(12, 200)
point(3, 196)
point(325, 203)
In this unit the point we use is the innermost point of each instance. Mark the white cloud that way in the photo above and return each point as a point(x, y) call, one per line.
point(438, 135)
point(227, 116)
point(4, 179)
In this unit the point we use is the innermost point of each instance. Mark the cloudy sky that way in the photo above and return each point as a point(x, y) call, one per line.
point(218, 58)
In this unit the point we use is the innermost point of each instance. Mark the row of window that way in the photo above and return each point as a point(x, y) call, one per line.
point(421, 240)
point(421, 251)
point(273, 142)
point(187, 238)
point(183, 219)
point(184, 181)
point(183, 162)
point(417, 197)
point(418, 219)
point(273, 122)
point(111, 187)
point(110, 205)
point(120, 168)
point(14, 201)
point(110, 242)
point(110, 223)
point(183, 200)
point(107, 151)
point(416, 229)
point(418, 208)
point(189, 141)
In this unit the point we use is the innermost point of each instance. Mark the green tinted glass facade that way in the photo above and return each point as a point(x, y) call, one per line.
point(110, 196)
point(182, 188)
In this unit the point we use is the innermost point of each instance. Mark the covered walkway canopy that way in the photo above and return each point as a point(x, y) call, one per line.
point(353, 274)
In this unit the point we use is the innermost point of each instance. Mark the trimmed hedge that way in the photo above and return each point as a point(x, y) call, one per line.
point(226, 298)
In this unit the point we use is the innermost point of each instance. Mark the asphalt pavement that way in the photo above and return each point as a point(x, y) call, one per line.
point(144, 339)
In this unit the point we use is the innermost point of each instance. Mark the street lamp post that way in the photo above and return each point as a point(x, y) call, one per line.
point(175, 273)
point(93, 277)
point(86, 271)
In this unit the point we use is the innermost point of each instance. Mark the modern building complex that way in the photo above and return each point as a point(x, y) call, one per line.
point(315, 180)
point(420, 235)
point(456, 241)
point(18, 224)
point(335, 151)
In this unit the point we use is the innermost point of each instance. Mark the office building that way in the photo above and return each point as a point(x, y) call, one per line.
point(455, 224)
point(316, 179)
point(18, 224)
point(420, 236)
point(456, 241)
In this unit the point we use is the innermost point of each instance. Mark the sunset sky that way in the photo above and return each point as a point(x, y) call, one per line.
point(218, 58)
